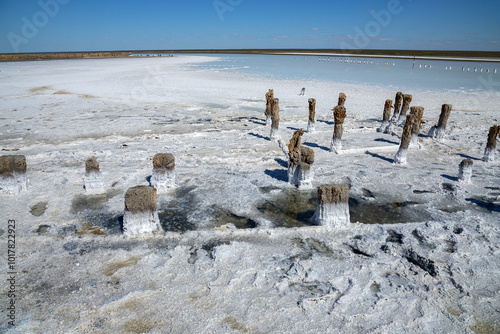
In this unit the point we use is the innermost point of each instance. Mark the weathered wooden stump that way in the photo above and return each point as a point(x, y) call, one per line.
point(339, 114)
point(13, 178)
point(404, 109)
point(418, 112)
point(397, 106)
point(400, 157)
point(386, 117)
point(465, 171)
point(275, 119)
point(269, 99)
point(163, 177)
point(333, 205)
point(92, 181)
point(491, 144)
point(311, 124)
point(438, 131)
point(141, 216)
point(300, 173)
point(342, 98)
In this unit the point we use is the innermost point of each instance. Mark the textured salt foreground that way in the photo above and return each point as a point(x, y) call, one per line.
point(435, 270)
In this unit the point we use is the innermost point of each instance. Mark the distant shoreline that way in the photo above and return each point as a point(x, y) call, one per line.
point(478, 56)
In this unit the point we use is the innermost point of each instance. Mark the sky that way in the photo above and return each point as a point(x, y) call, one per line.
point(99, 25)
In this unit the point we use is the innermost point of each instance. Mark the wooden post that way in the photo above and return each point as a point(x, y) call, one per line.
point(311, 124)
point(418, 112)
point(404, 109)
point(275, 118)
point(92, 181)
point(465, 171)
point(269, 99)
point(300, 161)
point(386, 116)
point(333, 205)
point(141, 216)
point(339, 113)
point(438, 131)
point(163, 177)
point(400, 157)
point(342, 98)
point(491, 145)
point(397, 106)
point(13, 178)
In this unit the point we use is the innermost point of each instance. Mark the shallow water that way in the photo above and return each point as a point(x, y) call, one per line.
point(401, 73)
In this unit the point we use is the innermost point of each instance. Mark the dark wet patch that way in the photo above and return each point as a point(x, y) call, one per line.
point(419, 192)
point(294, 208)
point(267, 190)
point(42, 229)
point(367, 193)
point(223, 217)
point(38, 209)
point(82, 203)
point(449, 187)
point(2, 231)
point(357, 251)
point(394, 237)
point(290, 208)
point(210, 247)
point(422, 262)
point(175, 214)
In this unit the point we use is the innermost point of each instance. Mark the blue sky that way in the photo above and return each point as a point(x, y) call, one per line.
point(86, 25)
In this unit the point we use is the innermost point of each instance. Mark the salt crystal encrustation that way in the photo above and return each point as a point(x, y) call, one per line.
point(333, 205)
point(92, 181)
point(438, 131)
point(141, 215)
point(13, 178)
point(163, 177)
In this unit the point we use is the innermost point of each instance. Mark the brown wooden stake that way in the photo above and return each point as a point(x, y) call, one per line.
point(404, 109)
point(386, 116)
point(342, 98)
point(91, 165)
point(141, 216)
point(491, 145)
point(438, 131)
point(397, 106)
point(275, 118)
point(339, 113)
point(268, 112)
point(400, 157)
point(333, 205)
point(312, 115)
point(418, 113)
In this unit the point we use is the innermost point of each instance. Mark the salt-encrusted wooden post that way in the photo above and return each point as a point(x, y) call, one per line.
point(141, 215)
point(400, 157)
point(163, 176)
point(385, 117)
point(13, 178)
point(339, 114)
point(300, 173)
point(333, 205)
point(465, 171)
point(342, 98)
point(311, 124)
point(269, 99)
point(404, 109)
point(275, 118)
point(491, 145)
point(92, 181)
point(397, 106)
point(418, 112)
point(438, 131)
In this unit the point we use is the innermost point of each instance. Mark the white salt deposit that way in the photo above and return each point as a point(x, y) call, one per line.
point(438, 273)
point(93, 183)
point(140, 223)
point(163, 181)
point(332, 214)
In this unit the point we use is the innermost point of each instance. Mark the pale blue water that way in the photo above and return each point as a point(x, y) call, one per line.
point(400, 73)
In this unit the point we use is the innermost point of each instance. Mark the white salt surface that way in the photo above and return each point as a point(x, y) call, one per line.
point(438, 274)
